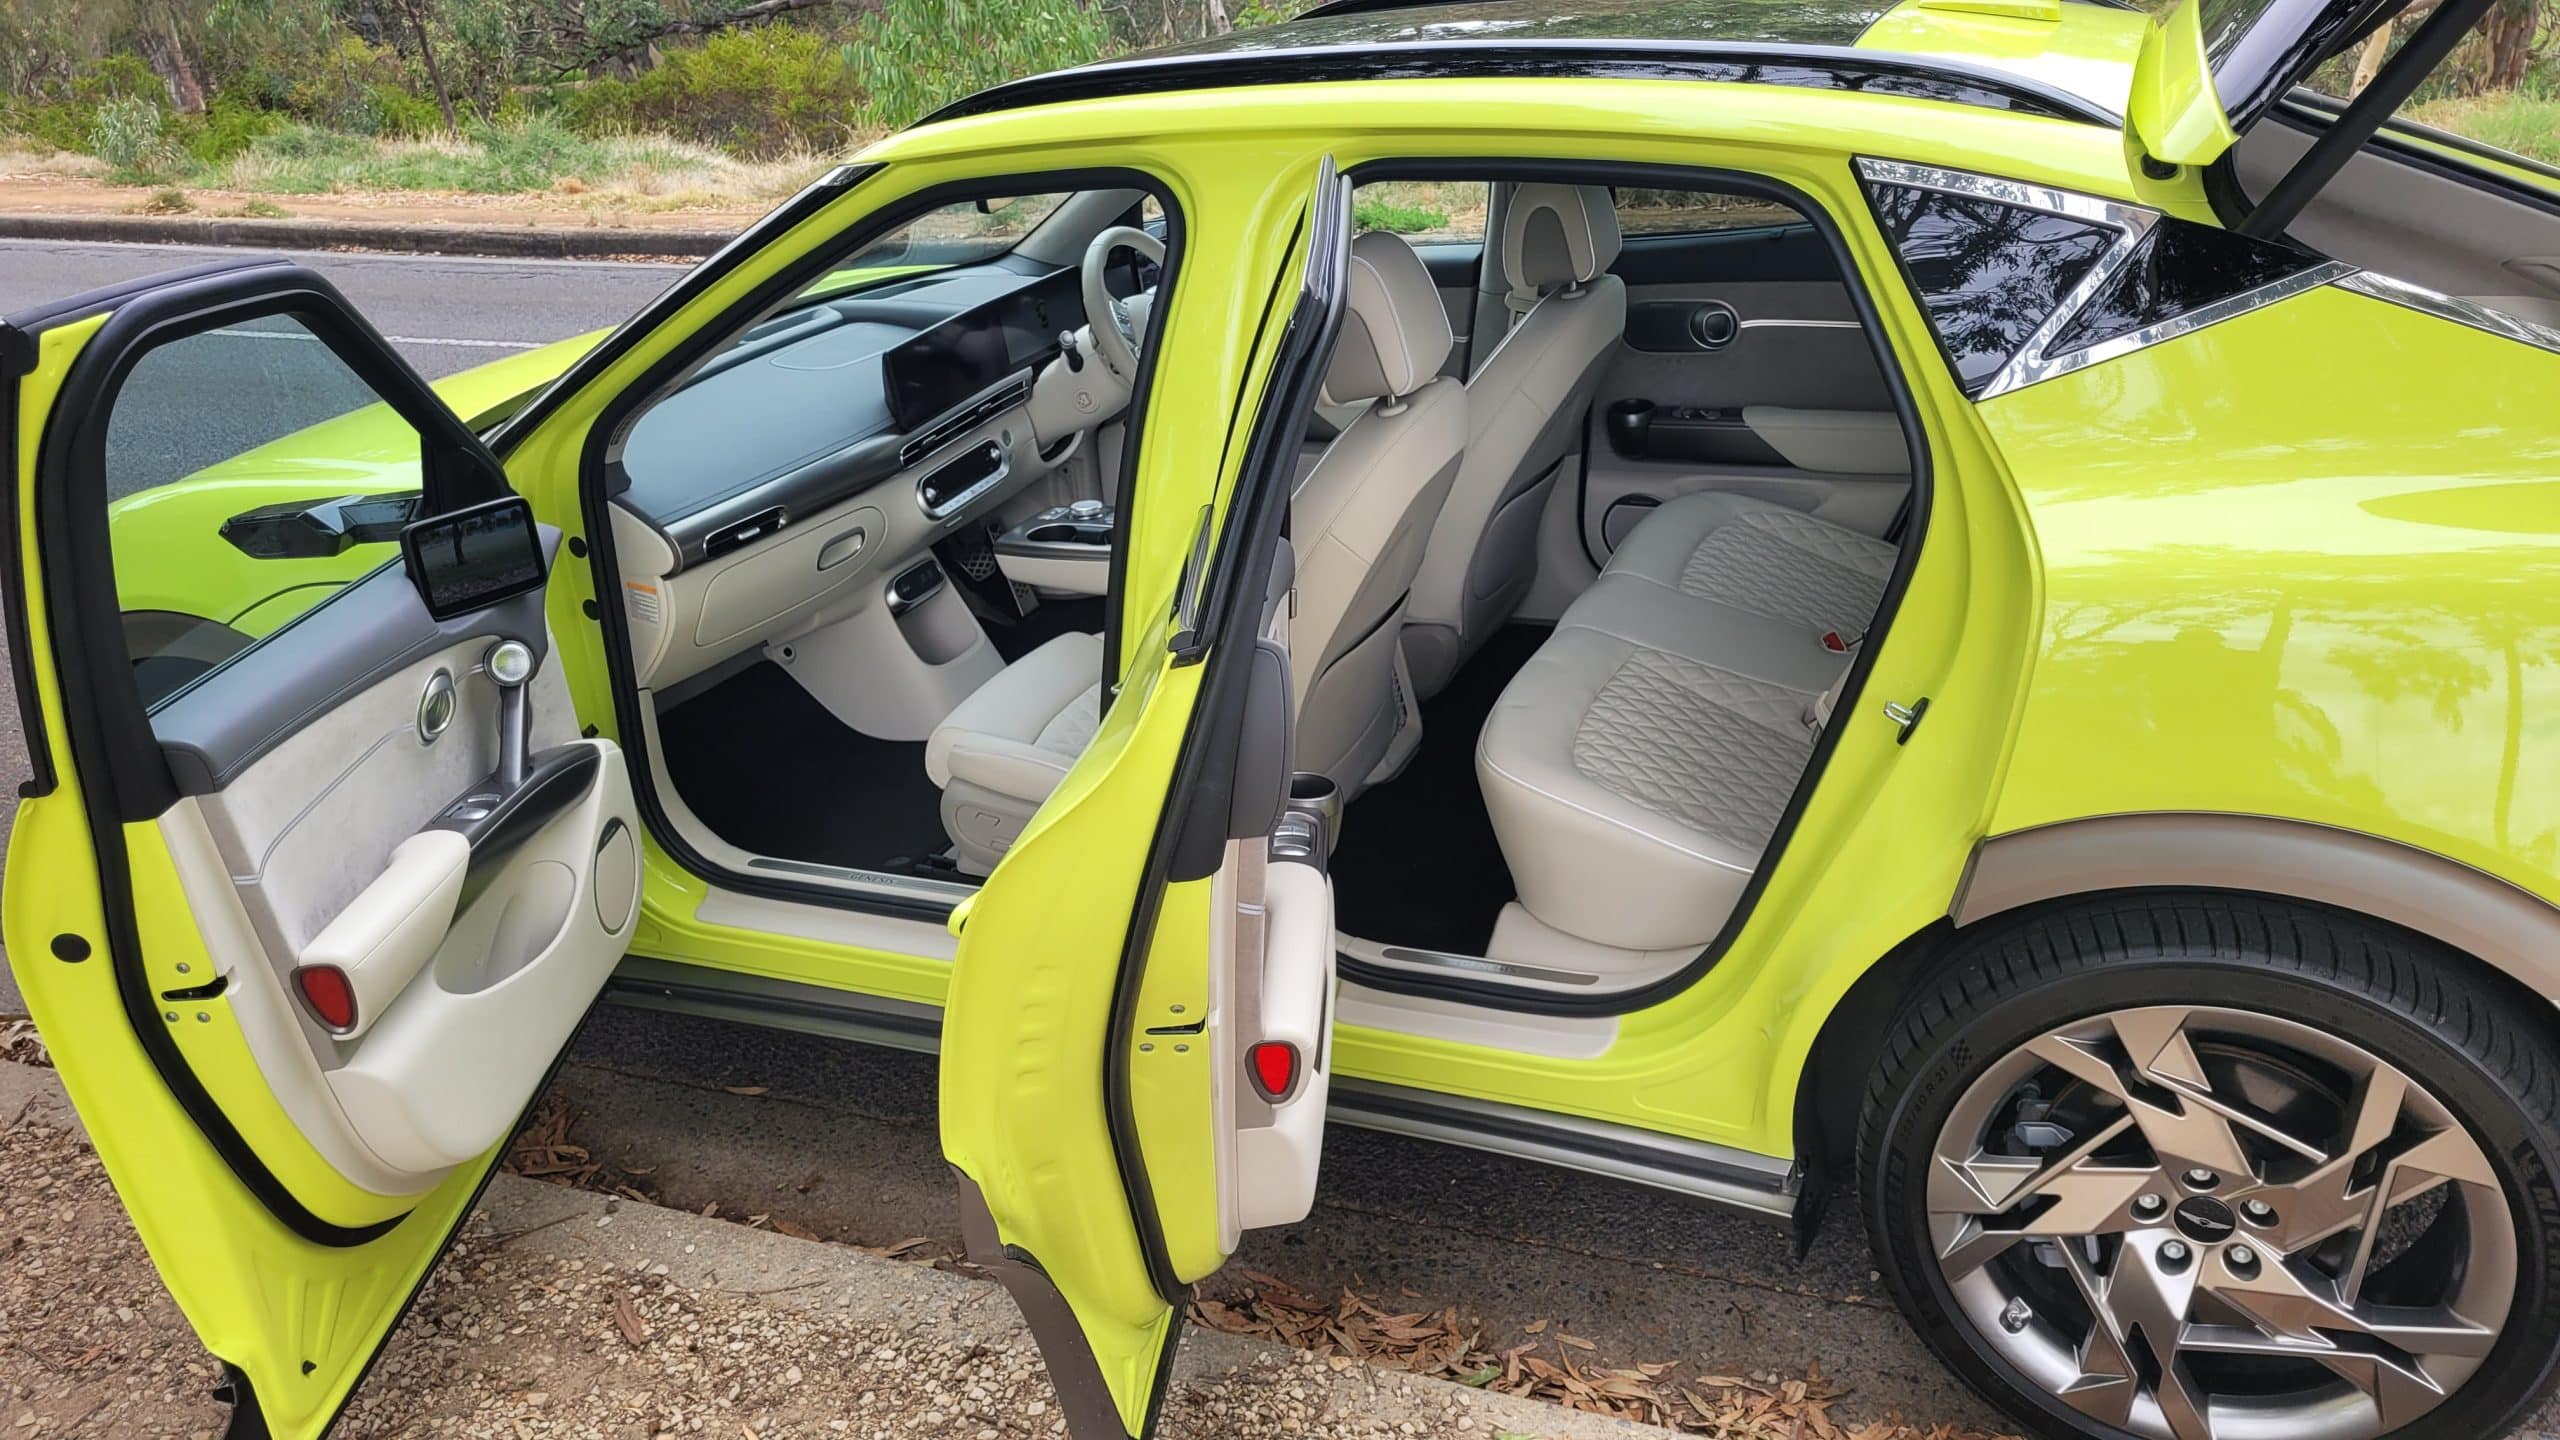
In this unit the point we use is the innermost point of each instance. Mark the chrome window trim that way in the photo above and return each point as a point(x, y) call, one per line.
point(2133, 224)
point(2032, 366)
point(2452, 307)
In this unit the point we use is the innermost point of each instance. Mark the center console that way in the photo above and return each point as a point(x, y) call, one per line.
point(1065, 548)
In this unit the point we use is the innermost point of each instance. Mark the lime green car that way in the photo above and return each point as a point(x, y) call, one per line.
point(1953, 604)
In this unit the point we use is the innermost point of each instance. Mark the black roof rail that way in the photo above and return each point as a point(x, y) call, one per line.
point(1818, 67)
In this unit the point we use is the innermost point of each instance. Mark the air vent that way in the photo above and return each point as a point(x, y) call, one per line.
point(961, 421)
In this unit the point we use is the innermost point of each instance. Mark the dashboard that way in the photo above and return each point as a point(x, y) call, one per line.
point(814, 405)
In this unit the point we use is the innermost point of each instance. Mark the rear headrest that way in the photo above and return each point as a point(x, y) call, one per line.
point(1558, 235)
point(1395, 336)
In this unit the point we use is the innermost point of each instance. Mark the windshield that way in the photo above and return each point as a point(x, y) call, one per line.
point(965, 232)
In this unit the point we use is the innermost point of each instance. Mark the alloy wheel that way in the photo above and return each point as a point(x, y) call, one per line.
point(2198, 1223)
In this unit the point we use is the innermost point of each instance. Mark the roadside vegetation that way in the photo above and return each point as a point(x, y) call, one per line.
point(673, 104)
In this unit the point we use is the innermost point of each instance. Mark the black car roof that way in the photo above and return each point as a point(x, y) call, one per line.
point(1800, 43)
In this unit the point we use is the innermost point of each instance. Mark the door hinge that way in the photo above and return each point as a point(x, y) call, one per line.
point(1905, 716)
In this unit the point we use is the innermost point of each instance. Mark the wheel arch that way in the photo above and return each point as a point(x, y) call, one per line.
point(2509, 933)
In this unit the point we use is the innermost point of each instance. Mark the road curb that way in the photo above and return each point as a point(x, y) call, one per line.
point(517, 242)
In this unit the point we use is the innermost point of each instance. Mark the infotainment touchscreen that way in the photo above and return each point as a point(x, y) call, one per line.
point(471, 559)
point(974, 349)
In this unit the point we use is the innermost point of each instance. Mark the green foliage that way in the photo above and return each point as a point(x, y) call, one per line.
point(757, 92)
point(129, 135)
point(229, 126)
point(1371, 212)
point(487, 160)
point(917, 55)
point(167, 200)
point(396, 114)
point(2525, 123)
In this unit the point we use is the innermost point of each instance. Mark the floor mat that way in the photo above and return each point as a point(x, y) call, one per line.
point(769, 770)
point(1417, 863)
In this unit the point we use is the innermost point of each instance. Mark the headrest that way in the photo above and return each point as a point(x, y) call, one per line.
point(1394, 333)
point(1558, 235)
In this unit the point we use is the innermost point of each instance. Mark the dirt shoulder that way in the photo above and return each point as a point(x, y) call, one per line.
point(75, 208)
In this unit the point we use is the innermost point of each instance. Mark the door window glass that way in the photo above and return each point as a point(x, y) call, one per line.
point(1696, 212)
point(1426, 212)
point(2497, 90)
point(249, 475)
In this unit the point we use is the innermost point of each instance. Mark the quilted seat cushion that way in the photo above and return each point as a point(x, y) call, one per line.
point(1636, 768)
point(1768, 560)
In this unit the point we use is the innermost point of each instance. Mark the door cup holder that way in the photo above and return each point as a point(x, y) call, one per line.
point(1310, 823)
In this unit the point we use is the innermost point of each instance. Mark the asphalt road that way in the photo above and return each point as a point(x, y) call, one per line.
point(840, 1139)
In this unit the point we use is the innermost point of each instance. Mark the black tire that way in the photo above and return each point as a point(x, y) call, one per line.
point(2427, 1010)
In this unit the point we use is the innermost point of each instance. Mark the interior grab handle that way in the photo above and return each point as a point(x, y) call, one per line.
point(510, 664)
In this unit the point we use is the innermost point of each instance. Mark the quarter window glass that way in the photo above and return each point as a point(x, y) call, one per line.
point(1426, 212)
point(2180, 269)
point(1696, 212)
point(250, 474)
point(1987, 273)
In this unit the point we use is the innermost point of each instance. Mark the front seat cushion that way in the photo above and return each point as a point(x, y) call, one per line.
point(1000, 752)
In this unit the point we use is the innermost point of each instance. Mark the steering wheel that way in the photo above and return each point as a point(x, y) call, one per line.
point(1115, 331)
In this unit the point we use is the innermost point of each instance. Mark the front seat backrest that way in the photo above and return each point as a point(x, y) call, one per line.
point(1361, 518)
point(1525, 407)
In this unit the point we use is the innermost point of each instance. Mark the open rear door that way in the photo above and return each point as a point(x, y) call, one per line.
point(315, 877)
point(1134, 1057)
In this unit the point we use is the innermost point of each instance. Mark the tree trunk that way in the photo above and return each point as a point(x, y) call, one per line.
point(2509, 30)
point(2369, 58)
point(435, 72)
point(1219, 24)
point(164, 48)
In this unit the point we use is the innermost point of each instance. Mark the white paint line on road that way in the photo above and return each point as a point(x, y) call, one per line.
point(394, 339)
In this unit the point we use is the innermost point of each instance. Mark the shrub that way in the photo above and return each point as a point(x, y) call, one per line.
point(128, 135)
point(1370, 212)
point(389, 111)
point(229, 126)
point(917, 55)
point(757, 92)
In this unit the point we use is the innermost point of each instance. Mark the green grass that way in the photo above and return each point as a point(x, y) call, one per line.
point(2529, 125)
point(488, 160)
point(1372, 212)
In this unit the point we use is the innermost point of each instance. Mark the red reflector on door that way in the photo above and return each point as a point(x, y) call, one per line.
point(325, 989)
point(1275, 1067)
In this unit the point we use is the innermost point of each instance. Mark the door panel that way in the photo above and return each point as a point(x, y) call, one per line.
point(300, 938)
point(1161, 930)
point(1743, 368)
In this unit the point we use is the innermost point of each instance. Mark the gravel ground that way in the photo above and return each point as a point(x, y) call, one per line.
point(563, 1312)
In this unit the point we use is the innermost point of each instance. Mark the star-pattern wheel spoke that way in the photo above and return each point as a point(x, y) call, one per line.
point(2245, 1238)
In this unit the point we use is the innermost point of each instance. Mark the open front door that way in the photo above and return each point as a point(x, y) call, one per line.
point(315, 877)
point(1134, 1057)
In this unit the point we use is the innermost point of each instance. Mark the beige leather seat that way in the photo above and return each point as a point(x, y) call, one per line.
point(1637, 767)
point(1526, 405)
point(1361, 517)
point(1765, 559)
point(1000, 752)
point(1358, 522)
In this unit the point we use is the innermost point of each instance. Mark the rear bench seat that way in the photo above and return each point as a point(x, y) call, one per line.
point(1636, 767)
